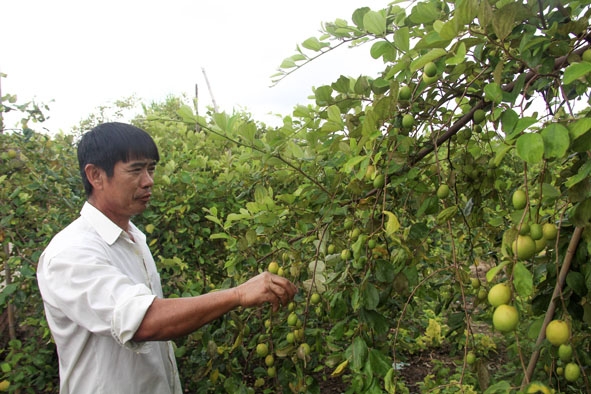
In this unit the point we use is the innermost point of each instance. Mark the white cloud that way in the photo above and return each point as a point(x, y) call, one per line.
point(85, 54)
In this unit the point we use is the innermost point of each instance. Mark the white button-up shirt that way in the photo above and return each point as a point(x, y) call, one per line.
point(97, 285)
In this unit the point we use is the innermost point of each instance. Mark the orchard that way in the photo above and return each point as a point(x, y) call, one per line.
point(435, 217)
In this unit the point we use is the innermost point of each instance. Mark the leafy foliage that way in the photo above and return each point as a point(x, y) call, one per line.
point(343, 196)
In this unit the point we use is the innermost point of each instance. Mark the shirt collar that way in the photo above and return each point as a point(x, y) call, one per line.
point(107, 230)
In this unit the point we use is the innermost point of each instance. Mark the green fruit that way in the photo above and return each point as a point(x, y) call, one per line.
point(269, 360)
point(586, 55)
point(378, 181)
point(345, 254)
point(470, 358)
point(330, 249)
point(524, 247)
point(482, 294)
point(443, 191)
point(505, 318)
point(273, 267)
point(408, 121)
point(372, 243)
point(549, 231)
point(429, 80)
point(524, 229)
point(535, 231)
point(290, 337)
point(430, 69)
point(272, 372)
point(475, 282)
point(519, 199)
point(348, 224)
point(499, 294)
point(262, 350)
point(315, 298)
point(572, 372)
point(557, 332)
point(540, 244)
point(292, 319)
point(11, 154)
point(565, 352)
point(404, 93)
point(479, 116)
point(370, 172)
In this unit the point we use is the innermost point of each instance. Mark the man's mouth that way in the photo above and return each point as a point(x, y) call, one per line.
point(145, 197)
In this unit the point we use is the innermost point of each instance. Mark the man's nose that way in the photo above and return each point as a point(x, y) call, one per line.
point(147, 179)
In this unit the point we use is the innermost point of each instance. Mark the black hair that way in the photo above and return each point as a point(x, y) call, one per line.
point(109, 143)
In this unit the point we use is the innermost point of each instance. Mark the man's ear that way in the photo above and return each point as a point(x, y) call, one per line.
point(95, 175)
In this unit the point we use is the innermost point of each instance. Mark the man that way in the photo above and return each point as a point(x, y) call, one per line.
point(101, 291)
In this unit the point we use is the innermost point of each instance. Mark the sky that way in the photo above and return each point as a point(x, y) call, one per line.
point(78, 55)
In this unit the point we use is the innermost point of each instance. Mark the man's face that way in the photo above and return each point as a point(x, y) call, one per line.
point(128, 191)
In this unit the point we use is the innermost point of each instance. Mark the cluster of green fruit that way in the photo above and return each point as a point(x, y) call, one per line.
point(558, 334)
point(294, 341)
point(531, 238)
point(505, 316)
point(430, 75)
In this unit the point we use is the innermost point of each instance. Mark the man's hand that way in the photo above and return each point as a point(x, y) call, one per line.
point(266, 287)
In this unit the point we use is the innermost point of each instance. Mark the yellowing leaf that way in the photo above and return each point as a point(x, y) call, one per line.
point(392, 225)
point(338, 371)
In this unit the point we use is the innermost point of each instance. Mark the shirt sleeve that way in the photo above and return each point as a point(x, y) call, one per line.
point(94, 294)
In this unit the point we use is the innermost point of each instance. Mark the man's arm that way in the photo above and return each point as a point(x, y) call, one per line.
point(175, 317)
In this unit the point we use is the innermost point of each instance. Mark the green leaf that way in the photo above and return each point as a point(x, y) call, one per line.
point(491, 273)
point(466, 11)
point(501, 387)
point(581, 175)
point(352, 162)
point(459, 57)
point(576, 281)
point(493, 92)
point(424, 13)
point(314, 44)
point(430, 56)
point(186, 114)
point(582, 213)
point(370, 297)
point(432, 40)
point(556, 140)
point(503, 21)
point(359, 352)
point(382, 49)
point(522, 280)
point(579, 127)
point(530, 148)
point(509, 119)
point(375, 23)
point(334, 114)
point(449, 30)
point(485, 13)
point(402, 39)
point(576, 71)
point(500, 155)
point(380, 362)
